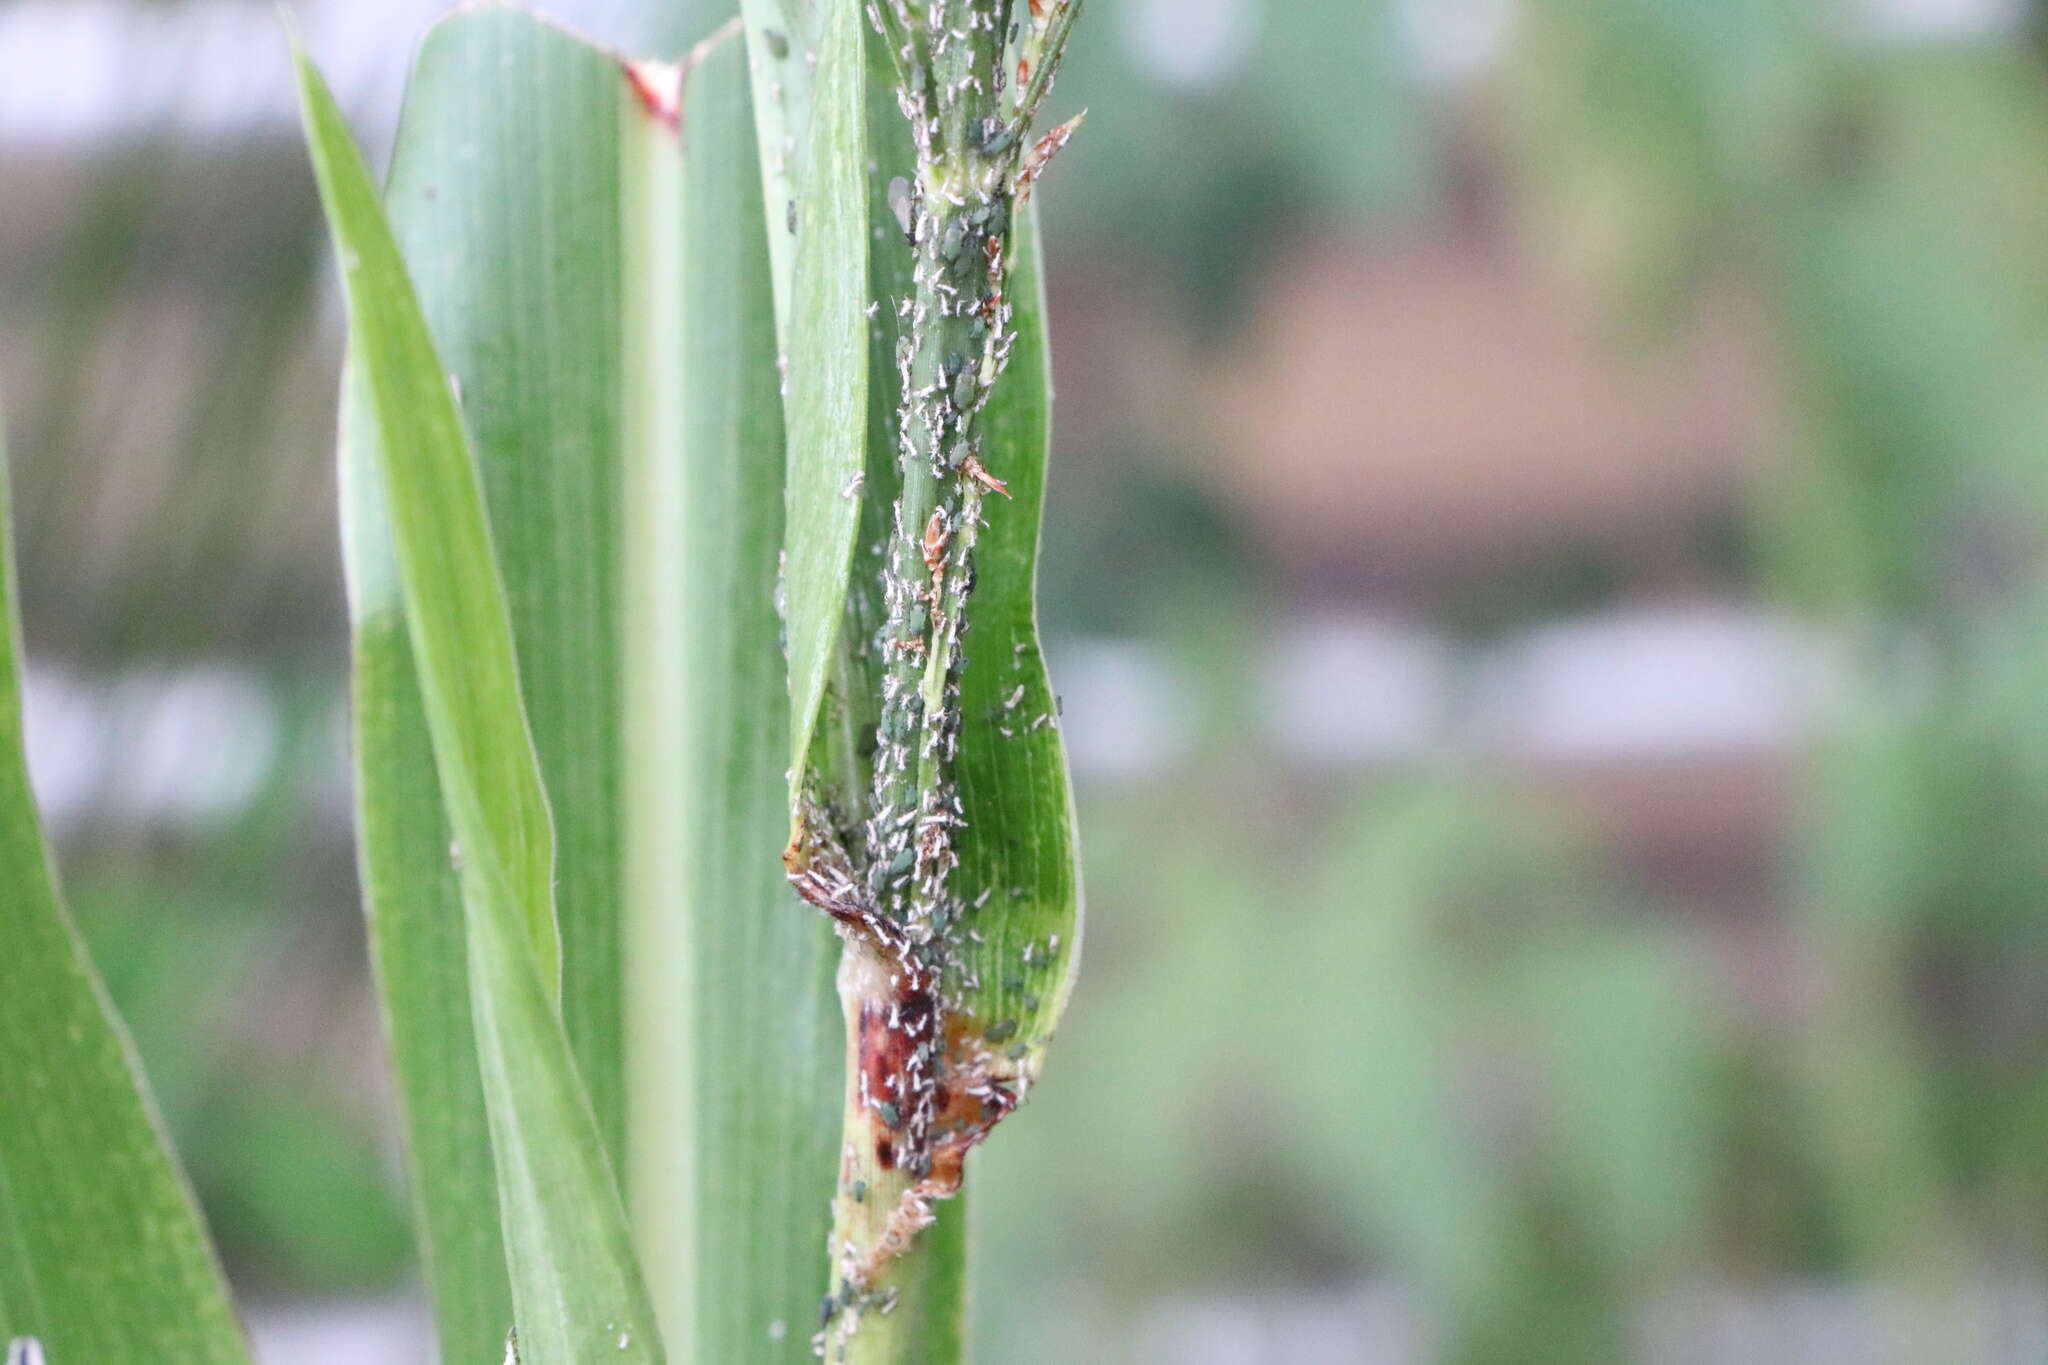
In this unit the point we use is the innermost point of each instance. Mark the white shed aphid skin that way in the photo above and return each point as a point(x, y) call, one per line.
point(27, 1351)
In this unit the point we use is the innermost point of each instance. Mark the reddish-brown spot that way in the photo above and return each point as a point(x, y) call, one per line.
point(973, 469)
point(660, 88)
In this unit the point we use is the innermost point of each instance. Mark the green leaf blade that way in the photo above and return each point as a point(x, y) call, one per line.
point(575, 1287)
point(827, 351)
point(505, 202)
point(418, 943)
point(1020, 848)
point(456, 607)
point(736, 1038)
point(102, 1253)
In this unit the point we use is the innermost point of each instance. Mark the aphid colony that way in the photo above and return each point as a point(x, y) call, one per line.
point(927, 1080)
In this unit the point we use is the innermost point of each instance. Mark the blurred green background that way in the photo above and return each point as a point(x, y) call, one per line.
point(1548, 570)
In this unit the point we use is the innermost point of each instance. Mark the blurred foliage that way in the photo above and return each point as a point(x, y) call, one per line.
point(1516, 1081)
point(1198, 168)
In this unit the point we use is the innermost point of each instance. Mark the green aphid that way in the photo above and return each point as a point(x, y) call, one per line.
point(778, 42)
point(964, 385)
point(1001, 1031)
point(899, 865)
point(860, 1191)
point(996, 135)
point(1031, 1004)
point(1013, 983)
point(891, 1115)
point(1015, 1052)
point(951, 240)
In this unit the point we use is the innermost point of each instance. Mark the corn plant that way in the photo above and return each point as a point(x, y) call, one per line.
point(620, 384)
point(677, 460)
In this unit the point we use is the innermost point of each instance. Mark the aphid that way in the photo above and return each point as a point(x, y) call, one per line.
point(1001, 1031)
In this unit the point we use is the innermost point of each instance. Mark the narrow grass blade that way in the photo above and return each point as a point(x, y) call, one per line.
point(827, 348)
point(413, 902)
point(102, 1255)
point(576, 1288)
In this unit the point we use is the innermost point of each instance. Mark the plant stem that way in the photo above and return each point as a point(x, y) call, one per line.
point(922, 1084)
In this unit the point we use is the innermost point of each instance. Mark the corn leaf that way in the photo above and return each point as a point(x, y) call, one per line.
point(735, 1035)
point(782, 50)
point(826, 342)
point(102, 1254)
point(420, 547)
point(590, 258)
point(1019, 848)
